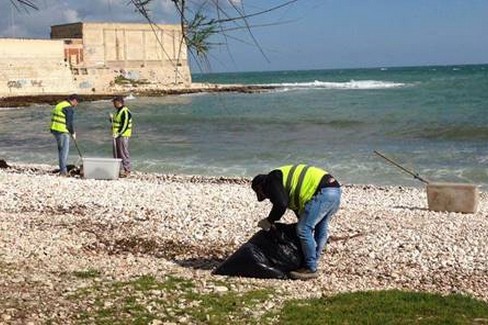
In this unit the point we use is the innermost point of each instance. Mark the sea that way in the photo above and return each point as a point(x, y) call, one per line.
point(432, 121)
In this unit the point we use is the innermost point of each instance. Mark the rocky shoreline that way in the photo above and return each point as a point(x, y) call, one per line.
point(27, 100)
point(382, 237)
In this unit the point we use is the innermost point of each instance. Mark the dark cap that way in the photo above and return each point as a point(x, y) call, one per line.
point(119, 99)
point(257, 185)
point(74, 97)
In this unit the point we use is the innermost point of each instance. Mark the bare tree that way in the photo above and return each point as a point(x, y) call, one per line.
point(202, 20)
point(27, 4)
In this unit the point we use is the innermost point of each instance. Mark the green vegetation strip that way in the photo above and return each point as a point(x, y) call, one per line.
point(174, 299)
point(146, 300)
point(86, 274)
point(386, 307)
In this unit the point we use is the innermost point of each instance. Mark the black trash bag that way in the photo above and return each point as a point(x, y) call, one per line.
point(267, 255)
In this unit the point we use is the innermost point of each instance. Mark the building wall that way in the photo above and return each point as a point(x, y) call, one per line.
point(74, 30)
point(139, 52)
point(94, 58)
point(30, 67)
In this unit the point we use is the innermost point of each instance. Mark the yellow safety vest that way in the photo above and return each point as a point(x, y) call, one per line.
point(300, 183)
point(118, 120)
point(58, 118)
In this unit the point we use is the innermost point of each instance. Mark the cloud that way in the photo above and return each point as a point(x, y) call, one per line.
point(31, 23)
point(166, 6)
point(36, 23)
point(28, 23)
point(71, 15)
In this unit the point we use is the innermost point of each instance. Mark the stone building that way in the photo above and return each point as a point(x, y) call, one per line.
point(32, 66)
point(102, 54)
point(95, 58)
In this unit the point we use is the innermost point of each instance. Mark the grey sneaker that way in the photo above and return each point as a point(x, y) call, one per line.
point(303, 274)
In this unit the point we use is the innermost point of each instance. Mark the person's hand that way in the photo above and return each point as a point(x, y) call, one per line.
point(74, 136)
point(115, 136)
point(111, 117)
point(265, 224)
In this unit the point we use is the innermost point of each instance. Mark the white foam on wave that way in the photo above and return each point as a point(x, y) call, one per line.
point(483, 159)
point(11, 108)
point(352, 84)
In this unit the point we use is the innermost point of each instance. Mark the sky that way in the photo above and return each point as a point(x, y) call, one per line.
point(307, 34)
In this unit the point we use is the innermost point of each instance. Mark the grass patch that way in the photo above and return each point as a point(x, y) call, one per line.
point(179, 300)
point(121, 80)
point(245, 308)
point(87, 274)
point(386, 307)
point(173, 299)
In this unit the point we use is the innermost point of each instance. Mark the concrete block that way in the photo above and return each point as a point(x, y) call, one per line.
point(453, 197)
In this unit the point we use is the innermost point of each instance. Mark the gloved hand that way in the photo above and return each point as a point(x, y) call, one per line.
point(111, 117)
point(265, 224)
point(115, 136)
point(74, 136)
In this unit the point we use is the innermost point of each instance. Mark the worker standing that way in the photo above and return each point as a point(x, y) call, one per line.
point(121, 132)
point(314, 195)
point(62, 125)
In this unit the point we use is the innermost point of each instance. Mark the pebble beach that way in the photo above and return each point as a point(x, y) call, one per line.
point(157, 224)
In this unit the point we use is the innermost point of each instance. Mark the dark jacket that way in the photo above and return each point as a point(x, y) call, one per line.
point(69, 112)
point(275, 191)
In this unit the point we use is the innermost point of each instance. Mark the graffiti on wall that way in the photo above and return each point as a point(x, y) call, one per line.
point(85, 84)
point(36, 83)
point(14, 84)
point(21, 83)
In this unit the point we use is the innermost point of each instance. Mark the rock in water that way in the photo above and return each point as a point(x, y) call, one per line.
point(3, 164)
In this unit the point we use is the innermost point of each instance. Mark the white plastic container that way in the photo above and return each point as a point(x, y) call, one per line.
point(101, 168)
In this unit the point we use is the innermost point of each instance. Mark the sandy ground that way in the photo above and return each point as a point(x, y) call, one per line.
point(153, 224)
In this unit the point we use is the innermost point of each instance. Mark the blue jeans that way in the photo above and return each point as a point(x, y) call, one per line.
point(313, 225)
point(63, 150)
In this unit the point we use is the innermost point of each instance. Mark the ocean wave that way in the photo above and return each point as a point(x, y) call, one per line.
point(11, 108)
point(336, 123)
point(352, 84)
point(448, 132)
